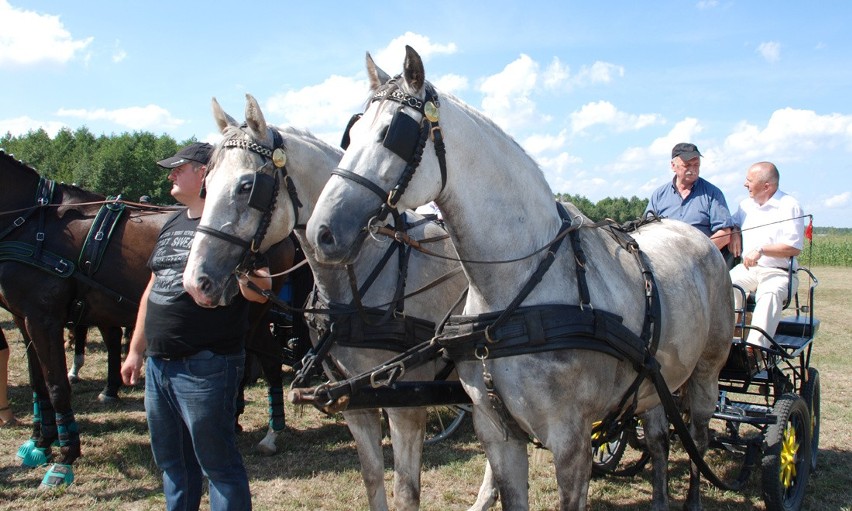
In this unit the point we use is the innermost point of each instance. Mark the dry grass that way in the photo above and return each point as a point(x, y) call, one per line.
point(318, 466)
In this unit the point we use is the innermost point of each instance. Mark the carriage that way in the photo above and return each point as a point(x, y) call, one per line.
point(768, 412)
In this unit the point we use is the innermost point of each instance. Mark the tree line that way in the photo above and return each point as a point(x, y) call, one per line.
point(122, 164)
point(125, 164)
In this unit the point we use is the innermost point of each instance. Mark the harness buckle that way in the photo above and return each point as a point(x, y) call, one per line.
point(393, 372)
point(39, 236)
point(99, 236)
point(433, 130)
point(19, 221)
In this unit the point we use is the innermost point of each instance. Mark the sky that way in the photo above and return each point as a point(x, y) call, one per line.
point(596, 92)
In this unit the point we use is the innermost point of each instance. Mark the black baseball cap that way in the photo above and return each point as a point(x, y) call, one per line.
point(686, 151)
point(198, 152)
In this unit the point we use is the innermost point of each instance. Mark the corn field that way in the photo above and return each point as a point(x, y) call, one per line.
point(827, 250)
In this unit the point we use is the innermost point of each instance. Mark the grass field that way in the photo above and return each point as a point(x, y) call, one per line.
point(317, 468)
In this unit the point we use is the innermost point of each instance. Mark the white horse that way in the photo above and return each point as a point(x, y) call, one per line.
point(309, 162)
point(556, 395)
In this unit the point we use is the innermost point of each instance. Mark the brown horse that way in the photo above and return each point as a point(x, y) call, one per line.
point(43, 229)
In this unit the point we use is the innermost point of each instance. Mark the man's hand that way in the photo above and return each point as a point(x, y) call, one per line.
point(131, 369)
point(735, 246)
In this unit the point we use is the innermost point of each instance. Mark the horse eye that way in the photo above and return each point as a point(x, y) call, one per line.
point(245, 187)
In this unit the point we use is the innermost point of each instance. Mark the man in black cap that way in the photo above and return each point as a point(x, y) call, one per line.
point(691, 199)
point(195, 359)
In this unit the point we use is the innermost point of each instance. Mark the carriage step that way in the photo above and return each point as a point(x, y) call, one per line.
point(749, 413)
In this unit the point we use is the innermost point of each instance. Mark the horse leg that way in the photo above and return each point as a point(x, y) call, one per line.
point(700, 397)
point(487, 496)
point(407, 429)
point(275, 398)
point(656, 427)
point(366, 429)
point(112, 340)
point(36, 451)
point(78, 336)
point(507, 458)
point(47, 340)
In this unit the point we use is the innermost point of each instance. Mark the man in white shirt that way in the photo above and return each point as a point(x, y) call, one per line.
point(771, 228)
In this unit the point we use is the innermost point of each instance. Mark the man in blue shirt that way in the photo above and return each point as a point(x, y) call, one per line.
point(692, 199)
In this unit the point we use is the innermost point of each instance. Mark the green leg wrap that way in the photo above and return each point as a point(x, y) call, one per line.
point(275, 398)
point(58, 475)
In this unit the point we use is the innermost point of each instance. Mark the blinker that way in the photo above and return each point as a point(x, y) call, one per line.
point(262, 191)
point(403, 135)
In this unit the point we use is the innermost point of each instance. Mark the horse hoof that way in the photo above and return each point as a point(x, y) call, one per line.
point(58, 475)
point(108, 399)
point(266, 449)
point(25, 448)
point(37, 457)
point(73, 378)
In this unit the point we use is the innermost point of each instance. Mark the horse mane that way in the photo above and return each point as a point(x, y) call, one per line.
point(482, 119)
point(73, 192)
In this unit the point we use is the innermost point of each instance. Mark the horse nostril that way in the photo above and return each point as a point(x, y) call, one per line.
point(325, 236)
point(204, 284)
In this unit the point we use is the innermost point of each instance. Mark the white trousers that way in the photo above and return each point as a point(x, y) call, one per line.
point(769, 286)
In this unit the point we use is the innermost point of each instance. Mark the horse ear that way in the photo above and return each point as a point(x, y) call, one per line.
point(223, 120)
point(413, 69)
point(377, 76)
point(254, 119)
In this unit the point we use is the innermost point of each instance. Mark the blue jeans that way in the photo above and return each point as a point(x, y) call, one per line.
point(190, 406)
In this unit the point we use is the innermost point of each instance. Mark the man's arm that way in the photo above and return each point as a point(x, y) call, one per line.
point(721, 238)
point(131, 369)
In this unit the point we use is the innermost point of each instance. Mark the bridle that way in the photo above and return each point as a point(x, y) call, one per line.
point(264, 191)
point(407, 138)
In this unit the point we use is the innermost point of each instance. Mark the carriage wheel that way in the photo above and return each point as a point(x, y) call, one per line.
point(787, 455)
point(811, 392)
point(443, 421)
point(606, 457)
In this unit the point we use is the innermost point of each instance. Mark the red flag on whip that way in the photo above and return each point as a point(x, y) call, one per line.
point(809, 230)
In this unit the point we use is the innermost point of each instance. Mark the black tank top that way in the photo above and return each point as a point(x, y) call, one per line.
point(175, 326)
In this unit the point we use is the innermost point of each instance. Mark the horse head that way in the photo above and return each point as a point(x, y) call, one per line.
point(250, 204)
point(260, 185)
point(396, 135)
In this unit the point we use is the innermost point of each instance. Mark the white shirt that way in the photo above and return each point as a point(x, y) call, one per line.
point(779, 220)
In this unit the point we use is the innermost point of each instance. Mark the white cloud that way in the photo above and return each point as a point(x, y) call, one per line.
point(839, 200)
point(27, 38)
point(538, 144)
point(790, 134)
point(707, 4)
point(452, 83)
point(118, 53)
point(507, 94)
point(599, 72)
point(22, 125)
point(658, 153)
point(770, 51)
point(558, 75)
point(392, 55)
point(136, 117)
point(605, 113)
point(326, 106)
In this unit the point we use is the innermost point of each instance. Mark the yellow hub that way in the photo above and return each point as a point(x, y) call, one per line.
point(789, 448)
